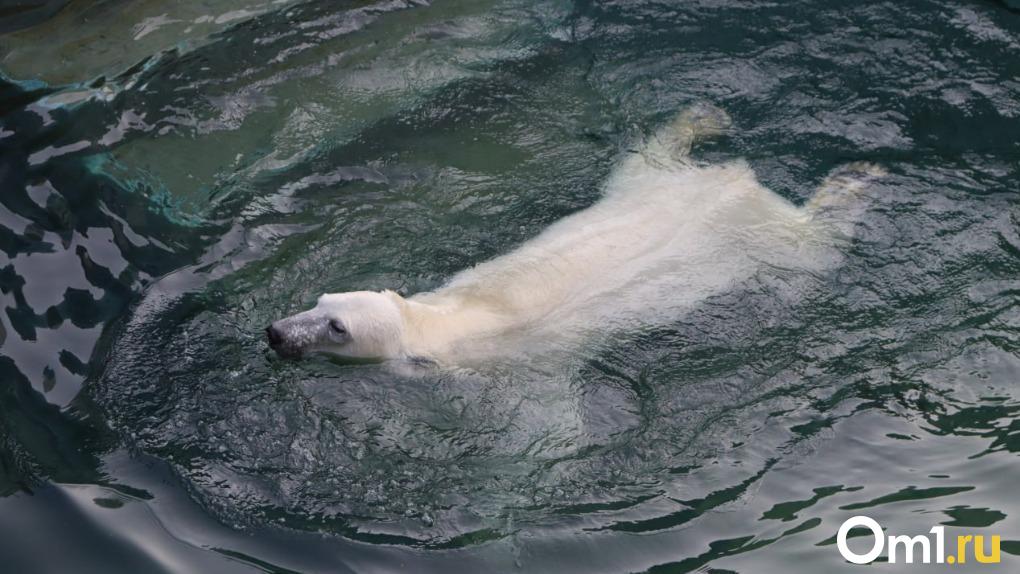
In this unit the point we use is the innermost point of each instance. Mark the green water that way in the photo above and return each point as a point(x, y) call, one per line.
point(174, 177)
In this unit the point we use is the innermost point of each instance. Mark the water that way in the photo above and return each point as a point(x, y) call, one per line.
point(171, 187)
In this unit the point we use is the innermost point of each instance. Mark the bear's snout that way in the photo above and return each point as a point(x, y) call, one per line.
point(278, 343)
point(274, 336)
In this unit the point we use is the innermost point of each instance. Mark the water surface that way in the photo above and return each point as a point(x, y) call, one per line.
point(176, 182)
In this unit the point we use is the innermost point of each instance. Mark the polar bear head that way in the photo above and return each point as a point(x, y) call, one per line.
point(360, 325)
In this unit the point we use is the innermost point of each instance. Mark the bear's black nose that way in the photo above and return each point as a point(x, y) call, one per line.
point(274, 336)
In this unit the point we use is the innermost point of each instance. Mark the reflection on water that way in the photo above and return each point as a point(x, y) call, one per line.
point(293, 93)
point(84, 40)
point(152, 223)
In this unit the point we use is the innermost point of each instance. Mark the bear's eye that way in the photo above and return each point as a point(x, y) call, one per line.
point(337, 327)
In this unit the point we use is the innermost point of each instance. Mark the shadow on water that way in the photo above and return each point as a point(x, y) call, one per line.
point(158, 208)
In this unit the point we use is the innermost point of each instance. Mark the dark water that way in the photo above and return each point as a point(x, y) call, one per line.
point(172, 182)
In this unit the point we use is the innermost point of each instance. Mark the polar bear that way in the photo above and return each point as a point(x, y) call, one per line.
point(667, 233)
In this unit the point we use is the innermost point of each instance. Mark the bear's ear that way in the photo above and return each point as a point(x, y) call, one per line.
point(395, 297)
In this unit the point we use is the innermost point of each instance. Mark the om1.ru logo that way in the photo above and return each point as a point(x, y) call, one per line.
point(910, 545)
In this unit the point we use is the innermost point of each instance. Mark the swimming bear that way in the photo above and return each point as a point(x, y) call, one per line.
point(666, 234)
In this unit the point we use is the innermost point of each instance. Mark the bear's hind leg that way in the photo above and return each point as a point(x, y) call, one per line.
point(840, 200)
point(672, 143)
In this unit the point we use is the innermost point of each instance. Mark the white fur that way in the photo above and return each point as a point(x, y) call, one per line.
point(666, 234)
point(373, 319)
